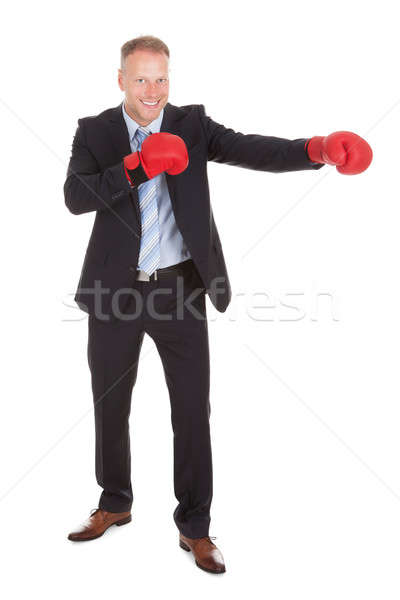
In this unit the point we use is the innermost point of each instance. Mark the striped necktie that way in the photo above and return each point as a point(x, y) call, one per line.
point(149, 255)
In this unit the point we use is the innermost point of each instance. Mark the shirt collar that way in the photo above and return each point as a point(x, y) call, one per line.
point(132, 126)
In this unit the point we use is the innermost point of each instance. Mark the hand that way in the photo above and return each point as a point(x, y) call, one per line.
point(348, 151)
point(160, 152)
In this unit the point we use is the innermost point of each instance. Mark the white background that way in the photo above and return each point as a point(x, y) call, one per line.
point(305, 403)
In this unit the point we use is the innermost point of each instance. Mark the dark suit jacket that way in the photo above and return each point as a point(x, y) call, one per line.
point(96, 182)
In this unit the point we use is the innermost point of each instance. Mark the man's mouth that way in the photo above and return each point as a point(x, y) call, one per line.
point(150, 104)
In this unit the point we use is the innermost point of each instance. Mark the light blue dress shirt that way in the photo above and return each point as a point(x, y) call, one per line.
point(173, 249)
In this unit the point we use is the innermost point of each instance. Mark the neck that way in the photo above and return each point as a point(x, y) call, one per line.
point(141, 123)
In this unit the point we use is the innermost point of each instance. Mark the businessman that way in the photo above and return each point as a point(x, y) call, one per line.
point(153, 256)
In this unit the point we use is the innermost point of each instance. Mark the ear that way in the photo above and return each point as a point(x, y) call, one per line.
point(121, 80)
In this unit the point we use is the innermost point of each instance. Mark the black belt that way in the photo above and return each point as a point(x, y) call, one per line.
point(178, 269)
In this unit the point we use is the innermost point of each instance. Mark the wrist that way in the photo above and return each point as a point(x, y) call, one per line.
point(134, 170)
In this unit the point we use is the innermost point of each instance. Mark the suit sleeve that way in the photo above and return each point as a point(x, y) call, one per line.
point(253, 151)
point(86, 188)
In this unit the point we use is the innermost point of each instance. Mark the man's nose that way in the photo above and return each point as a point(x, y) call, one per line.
point(152, 89)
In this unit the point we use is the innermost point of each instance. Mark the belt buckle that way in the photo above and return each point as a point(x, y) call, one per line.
point(153, 276)
point(143, 276)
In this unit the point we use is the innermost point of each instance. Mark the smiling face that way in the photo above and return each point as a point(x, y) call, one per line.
point(144, 79)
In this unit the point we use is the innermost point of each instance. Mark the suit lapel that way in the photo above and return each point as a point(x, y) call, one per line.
point(119, 130)
point(120, 137)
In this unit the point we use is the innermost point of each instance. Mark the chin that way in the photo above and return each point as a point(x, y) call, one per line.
point(150, 114)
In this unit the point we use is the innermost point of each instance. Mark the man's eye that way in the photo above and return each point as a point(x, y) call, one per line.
point(162, 80)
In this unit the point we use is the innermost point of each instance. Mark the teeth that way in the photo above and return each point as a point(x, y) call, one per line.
point(150, 103)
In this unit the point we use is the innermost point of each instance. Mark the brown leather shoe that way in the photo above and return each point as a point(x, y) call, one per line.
point(206, 554)
point(97, 523)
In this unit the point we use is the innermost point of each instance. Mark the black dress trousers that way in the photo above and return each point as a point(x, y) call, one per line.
point(172, 311)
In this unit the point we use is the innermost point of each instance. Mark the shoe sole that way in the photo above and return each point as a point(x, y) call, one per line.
point(186, 547)
point(94, 537)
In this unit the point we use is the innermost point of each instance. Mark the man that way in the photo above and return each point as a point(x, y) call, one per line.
point(153, 255)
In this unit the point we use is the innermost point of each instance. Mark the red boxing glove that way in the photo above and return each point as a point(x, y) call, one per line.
point(348, 151)
point(160, 152)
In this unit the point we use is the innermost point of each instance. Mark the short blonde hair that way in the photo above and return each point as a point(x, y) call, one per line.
point(145, 42)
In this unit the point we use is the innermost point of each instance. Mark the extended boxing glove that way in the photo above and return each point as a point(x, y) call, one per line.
point(349, 152)
point(159, 152)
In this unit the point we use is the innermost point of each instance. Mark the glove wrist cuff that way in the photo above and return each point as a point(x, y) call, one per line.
point(137, 175)
point(314, 149)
